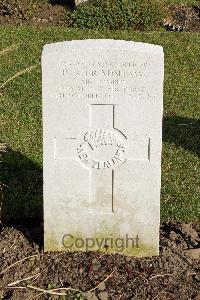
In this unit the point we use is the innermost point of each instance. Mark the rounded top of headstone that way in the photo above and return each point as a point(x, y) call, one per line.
point(103, 44)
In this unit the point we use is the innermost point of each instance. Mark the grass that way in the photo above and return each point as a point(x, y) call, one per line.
point(21, 128)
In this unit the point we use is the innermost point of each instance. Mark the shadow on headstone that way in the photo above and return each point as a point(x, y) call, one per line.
point(22, 195)
point(182, 132)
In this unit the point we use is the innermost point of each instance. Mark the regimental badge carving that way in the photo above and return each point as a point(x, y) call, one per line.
point(102, 149)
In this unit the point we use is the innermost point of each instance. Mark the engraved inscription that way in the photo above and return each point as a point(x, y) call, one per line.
point(105, 73)
point(96, 80)
point(102, 149)
point(104, 91)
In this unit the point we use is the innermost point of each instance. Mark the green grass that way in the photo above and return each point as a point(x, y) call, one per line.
point(21, 119)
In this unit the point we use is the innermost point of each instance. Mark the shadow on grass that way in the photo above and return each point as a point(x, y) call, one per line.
point(182, 132)
point(67, 3)
point(22, 196)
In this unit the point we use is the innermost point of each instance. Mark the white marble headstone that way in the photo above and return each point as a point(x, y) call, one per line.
point(77, 2)
point(102, 136)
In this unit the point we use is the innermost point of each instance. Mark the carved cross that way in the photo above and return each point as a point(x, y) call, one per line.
point(101, 149)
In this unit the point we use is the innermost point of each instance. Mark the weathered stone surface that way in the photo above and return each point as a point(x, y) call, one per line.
point(77, 2)
point(102, 123)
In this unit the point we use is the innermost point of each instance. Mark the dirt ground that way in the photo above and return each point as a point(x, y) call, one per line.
point(37, 13)
point(53, 13)
point(27, 272)
point(183, 18)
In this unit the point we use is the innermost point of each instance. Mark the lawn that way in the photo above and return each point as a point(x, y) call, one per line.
point(21, 123)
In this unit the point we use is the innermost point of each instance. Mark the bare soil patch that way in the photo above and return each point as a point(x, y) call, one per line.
point(28, 273)
point(183, 18)
point(37, 13)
